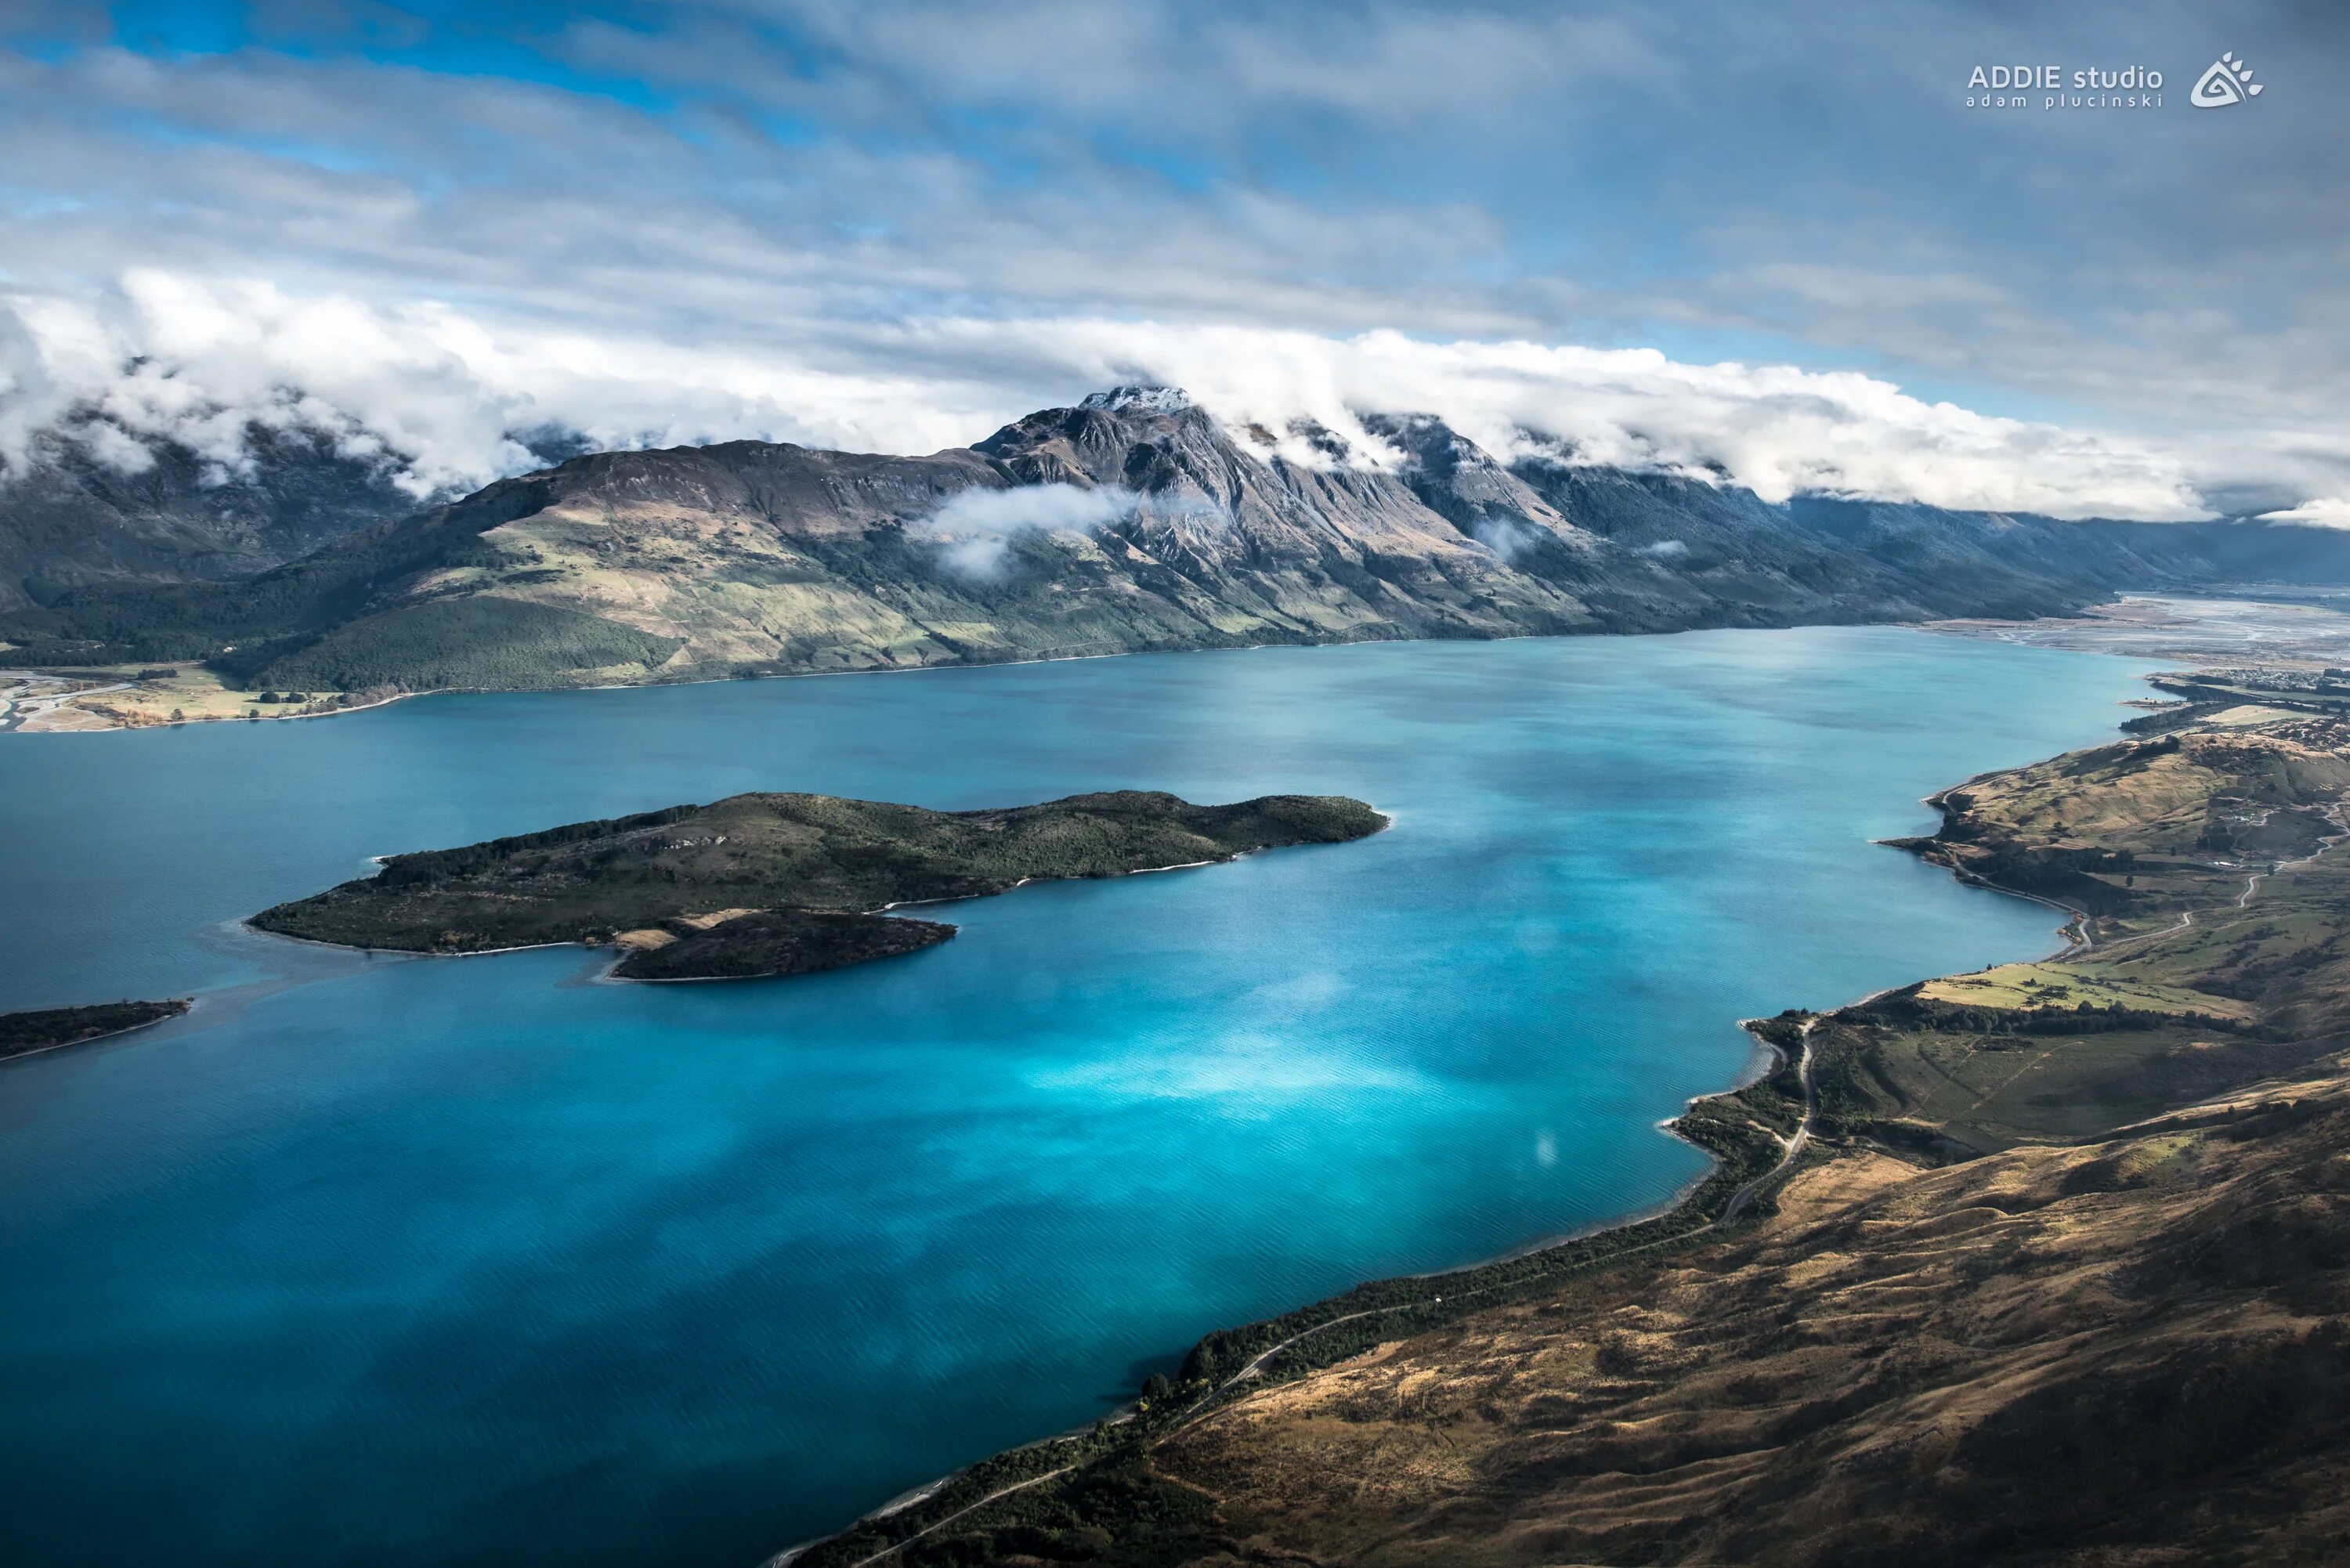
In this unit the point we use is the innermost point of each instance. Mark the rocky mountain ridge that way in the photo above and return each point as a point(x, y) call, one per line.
point(1134, 520)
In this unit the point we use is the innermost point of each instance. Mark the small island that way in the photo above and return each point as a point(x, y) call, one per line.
point(46, 1029)
point(759, 885)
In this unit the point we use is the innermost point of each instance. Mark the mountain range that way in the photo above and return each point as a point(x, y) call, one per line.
point(1134, 520)
point(91, 503)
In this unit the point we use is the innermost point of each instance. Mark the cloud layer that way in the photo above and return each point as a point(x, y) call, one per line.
point(443, 392)
point(2324, 512)
point(1768, 247)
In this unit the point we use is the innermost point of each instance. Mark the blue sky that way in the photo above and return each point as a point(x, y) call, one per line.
point(891, 224)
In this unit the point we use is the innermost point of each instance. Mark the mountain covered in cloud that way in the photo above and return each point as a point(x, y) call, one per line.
point(92, 505)
point(1133, 521)
point(89, 502)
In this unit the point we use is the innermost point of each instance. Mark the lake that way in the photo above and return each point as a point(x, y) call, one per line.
point(383, 1260)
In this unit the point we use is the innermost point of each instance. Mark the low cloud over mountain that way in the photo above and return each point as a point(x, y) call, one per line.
point(439, 395)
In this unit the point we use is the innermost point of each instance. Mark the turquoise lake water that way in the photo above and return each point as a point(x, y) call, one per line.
point(480, 1262)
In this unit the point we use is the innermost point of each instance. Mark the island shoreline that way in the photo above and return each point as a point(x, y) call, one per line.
point(618, 954)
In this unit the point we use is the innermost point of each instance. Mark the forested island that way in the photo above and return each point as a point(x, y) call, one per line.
point(48, 1028)
point(774, 883)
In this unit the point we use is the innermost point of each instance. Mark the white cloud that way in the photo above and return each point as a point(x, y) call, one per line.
point(1775, 428)
point(112, 449)
point(981, 560)
point(1042, 507)
point(171, 356)
point(980, 525)
point(1505, 539)
point(194, 358)
point(894, 225)
point(2322, 512)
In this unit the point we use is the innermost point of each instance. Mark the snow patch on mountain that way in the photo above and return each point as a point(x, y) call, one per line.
point(1138, 400)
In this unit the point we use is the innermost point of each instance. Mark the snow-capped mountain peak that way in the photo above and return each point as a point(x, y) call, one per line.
point(1144, 399)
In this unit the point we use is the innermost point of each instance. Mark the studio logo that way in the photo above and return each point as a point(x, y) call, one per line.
point(2059, 87)
point(2228, 82)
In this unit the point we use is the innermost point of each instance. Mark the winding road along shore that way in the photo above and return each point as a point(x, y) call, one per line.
point(1795, 1145)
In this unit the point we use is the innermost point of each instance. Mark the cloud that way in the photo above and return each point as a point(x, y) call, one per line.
point(30, 397)
point(1776, 429)
point(1507, 540)
point(110, 447)
point(979, 526)
point(1665, 550)
point(441, 391)
point(1033, 506)
point(2324, 512)
point(895, 224)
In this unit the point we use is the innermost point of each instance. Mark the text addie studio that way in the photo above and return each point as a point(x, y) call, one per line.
point(2049, 79)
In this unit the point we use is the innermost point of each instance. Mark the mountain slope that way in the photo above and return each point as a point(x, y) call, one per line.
point(764, 557)
point(152, 509)
point(2129, 1353)
point(164, 512)
point(1132, 521)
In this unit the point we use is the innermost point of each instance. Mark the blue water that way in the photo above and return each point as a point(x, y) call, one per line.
point(479, 1262)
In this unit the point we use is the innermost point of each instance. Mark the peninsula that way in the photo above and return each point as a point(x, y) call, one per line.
point(2047, 1263)
point(781, 884)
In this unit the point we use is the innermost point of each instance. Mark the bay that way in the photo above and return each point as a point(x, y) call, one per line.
point(386, 1260)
